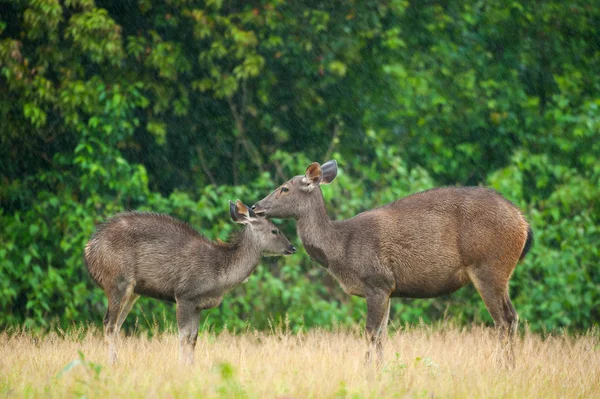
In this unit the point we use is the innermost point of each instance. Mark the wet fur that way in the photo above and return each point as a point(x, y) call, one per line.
point(425, 245)
point(154, 255)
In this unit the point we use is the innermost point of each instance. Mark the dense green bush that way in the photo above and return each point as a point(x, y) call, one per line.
point(179, 106)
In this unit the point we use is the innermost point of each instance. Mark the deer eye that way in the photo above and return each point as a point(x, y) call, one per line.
point(274, 232)
point(284, 189)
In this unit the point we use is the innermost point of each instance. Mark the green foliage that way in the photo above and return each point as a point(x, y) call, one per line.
point(93, 369)
point(178, 106)
point(558, 285)
point(230, 387)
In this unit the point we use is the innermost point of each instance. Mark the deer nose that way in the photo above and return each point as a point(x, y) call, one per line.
point(292, 249)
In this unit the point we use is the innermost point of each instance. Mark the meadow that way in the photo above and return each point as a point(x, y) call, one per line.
point(420, 362)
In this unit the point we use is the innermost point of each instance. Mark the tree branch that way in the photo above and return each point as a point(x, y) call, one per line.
point(279, 170)
point(238, 116)
point(235, 161)
point(336, 134)
point(205, 166)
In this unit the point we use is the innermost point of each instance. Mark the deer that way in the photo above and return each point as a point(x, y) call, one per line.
point(155, 255)
point(424, 245)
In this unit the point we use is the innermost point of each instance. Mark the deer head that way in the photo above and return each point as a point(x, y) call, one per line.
point(296, 196)
point(264, 233)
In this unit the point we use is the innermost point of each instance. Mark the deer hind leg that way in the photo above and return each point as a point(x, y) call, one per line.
point(378, 313)
point(188, 319)
point(118, 299)
point(512, 319)
point(126, 309)
point(511, 316)
point(493, 289)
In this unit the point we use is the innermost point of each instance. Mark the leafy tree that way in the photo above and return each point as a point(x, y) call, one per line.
point(178, 106)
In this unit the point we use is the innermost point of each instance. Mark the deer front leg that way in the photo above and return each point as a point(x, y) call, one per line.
point(188, 318)
point(378, 313)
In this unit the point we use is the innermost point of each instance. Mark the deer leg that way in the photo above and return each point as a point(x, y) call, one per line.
point(126, 309)
point(511, 316)
point(188, 318)
point(378, 313)
point(117, 301)
point(512, 319)
point(494, 292)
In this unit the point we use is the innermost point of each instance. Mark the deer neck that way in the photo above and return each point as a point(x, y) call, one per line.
point(318, 233)
point(243, 257)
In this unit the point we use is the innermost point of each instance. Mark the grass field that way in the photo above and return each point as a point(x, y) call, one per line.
point(420, 362)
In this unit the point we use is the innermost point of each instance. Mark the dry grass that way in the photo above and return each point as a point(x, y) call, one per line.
point(420, 362)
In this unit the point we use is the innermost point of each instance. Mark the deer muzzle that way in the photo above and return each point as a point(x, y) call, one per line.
point(290, 250)
point(258, 209)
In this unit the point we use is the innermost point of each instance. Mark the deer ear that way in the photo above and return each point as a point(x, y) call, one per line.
point(329, 170)
point(232, 212)
point(240, 213)
point(313, 173)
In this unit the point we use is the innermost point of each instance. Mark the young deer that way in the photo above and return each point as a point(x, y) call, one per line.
point(158, 256)
point(425, 245)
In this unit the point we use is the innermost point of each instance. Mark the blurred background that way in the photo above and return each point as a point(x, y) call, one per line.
point(177, 106)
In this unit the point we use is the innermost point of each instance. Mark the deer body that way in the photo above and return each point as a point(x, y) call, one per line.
point(417, 247)
point(426, 245)
point(154, 255)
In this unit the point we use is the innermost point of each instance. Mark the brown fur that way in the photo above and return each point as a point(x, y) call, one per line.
point(426, 245)
point(161, 257)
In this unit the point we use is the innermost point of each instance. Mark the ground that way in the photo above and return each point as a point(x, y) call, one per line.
point(423, 362)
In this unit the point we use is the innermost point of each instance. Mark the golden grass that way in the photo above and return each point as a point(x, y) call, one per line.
point(420, 362)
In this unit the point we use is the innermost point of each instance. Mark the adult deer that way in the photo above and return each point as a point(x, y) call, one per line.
point(158, 256)
point(425, 245)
